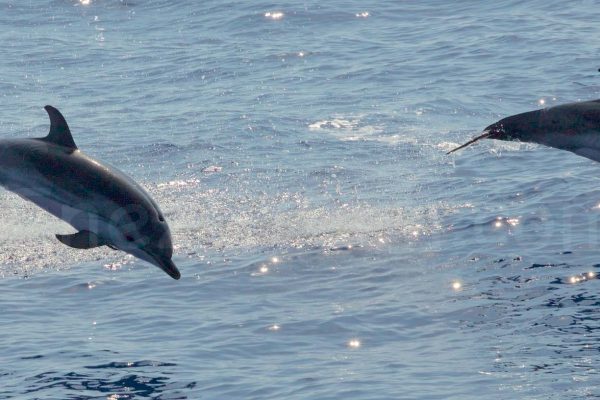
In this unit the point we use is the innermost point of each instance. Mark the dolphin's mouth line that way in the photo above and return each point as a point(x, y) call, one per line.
point(485, 134)
point(169, 267)
point(166, 264)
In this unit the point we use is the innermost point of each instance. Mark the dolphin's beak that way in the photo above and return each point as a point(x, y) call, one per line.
point(487, 133)
point(167, 265)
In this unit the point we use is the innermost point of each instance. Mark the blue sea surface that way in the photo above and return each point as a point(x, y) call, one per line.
point(329, 248)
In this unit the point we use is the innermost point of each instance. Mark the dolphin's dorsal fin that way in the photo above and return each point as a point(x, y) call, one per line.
point(60, 133)
point(82, 240)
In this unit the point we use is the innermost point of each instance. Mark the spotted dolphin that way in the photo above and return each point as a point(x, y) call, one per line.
point(574, 127)
point(105, 206)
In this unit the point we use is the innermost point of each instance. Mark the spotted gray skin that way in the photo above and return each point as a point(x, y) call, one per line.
point(574, 127)
point(104, 205)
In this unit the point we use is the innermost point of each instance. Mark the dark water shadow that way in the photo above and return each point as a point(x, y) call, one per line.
point(120, 380)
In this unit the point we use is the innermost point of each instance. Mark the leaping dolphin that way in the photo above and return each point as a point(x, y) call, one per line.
point(104, 205)
point(574, 127)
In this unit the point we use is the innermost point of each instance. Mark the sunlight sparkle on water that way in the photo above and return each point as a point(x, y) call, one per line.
point(456, 285)
point(364, 14)
point(85, 2)
point(582, 277)
point(513, 221)
point(541, 102)
point(274, 328)
point(274, 15)
point(354, 343)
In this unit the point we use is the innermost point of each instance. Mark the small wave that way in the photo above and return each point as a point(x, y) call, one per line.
point(492, 223)
point(131, 364)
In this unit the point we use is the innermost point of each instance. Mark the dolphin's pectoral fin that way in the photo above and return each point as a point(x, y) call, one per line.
point(82, 240)
point(60, 133)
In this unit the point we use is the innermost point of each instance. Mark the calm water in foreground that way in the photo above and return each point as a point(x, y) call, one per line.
point(328, 246)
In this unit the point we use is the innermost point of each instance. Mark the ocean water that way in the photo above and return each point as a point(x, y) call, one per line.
point(328, 246)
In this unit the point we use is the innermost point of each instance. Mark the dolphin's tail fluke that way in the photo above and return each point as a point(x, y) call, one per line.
point(485, 134)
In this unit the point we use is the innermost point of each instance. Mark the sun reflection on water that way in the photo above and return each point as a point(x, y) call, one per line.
point(274, 15)
point(586, 276)
point(512, 221)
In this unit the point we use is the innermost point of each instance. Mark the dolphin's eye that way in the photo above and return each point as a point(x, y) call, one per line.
point(129, 238)
point(161, 218)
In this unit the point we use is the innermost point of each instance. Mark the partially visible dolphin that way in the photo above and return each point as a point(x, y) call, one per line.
point(105, 206)
point(574, 127)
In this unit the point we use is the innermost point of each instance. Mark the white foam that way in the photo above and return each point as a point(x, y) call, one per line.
point(350, 129)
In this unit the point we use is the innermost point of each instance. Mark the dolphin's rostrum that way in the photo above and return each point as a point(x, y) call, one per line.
point(573, 127)
point(105, 206)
